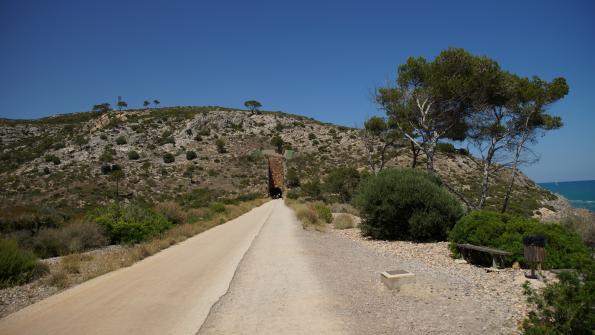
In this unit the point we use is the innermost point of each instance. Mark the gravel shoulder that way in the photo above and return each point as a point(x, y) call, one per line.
point(447, 298)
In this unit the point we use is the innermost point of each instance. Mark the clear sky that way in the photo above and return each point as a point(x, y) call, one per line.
point(316, 58)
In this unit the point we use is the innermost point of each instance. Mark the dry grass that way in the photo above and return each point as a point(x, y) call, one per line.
point(307, 214)
point(71, 264)
point(58, 279)
point(172, 211)
point(344, 208)
point(343, 221)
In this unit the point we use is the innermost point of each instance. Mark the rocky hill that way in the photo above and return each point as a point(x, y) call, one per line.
point(65, 161)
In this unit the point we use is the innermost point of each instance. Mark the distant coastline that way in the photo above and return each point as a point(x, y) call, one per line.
point(581, 193)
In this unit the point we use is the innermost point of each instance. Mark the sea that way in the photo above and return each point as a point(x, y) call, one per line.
point(581, 194)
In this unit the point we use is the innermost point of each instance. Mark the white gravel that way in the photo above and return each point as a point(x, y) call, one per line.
point(447, 298)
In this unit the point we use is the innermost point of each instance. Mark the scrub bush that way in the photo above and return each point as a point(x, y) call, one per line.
point(293, 194)
point(342, 181)
point(190, 155)
point(563, 307)
point(129, 223)
point(343, 221)
point(17, 266)
point(563, 247)
point(323, 212)
point(217, 207)
point(406, 204)
point(69, 239)
point(172, 211)
point(133, 155)
point(121, 140)
point(168, 158)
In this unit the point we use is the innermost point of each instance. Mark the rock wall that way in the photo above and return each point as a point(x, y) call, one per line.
point(276, 172)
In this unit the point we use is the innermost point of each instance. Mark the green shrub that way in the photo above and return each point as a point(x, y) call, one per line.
point(103, 137)
point(406, 204)
point(190, 155)
point(168, 158)
point(323, 212)
point(563, 248)
point(32, 221)
point(463, 151)
point(129, 223)
point(292, 179)
point(307, 215)
point(121, 140)
point(217, 207)
point(312, 189)
point(17, 266)
point(166, 138)
point(241, 198)
point(342, 181)
point(172, 211)
point(199, 197)
point(107, 155)
point(69, 239)
point(447, 148)
point(293, 194)
point(343, 221)
point(52, 158)
point(133, 155)
point(277, 142)
point(563, 307)
point(220, 146)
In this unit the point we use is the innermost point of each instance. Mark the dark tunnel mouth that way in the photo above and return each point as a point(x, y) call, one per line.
point(276, 193)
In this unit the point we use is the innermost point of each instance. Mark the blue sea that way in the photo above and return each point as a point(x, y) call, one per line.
point(581, 194)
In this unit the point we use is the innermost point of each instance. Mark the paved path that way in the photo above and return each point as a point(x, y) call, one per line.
point(168, 293)
point(276, 289)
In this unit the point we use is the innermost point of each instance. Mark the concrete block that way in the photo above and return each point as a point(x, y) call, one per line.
point(395, 278)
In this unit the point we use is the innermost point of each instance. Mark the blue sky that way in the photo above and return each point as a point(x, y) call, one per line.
point(316, 58)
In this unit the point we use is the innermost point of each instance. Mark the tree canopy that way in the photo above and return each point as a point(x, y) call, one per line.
point(459, 96)
point(253, 106)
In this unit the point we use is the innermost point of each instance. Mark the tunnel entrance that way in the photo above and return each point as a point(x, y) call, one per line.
point(276, 176)
point(276, 193)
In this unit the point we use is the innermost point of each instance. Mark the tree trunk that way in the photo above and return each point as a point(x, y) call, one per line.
point(430, 151)
point(512, 177)
point(414, 153)
point(487, 164)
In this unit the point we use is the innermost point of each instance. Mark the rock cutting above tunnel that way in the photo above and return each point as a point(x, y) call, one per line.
point(276, 168)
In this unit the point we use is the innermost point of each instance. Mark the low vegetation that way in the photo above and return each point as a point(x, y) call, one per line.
point(129, 223)
point(564, 248)
point(17, 266)
point(72, 238)
point(311, 215)
point(564, 306)
point(343, 221)
point(406, 204)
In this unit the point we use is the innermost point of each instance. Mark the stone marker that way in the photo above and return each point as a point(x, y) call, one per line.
point(395, 278)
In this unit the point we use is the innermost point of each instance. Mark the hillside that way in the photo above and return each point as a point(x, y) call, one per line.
point(60, 162)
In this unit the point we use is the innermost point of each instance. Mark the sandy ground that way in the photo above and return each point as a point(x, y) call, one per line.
point(168, 293)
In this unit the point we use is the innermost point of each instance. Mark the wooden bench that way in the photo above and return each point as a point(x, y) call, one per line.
point(493, 252)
